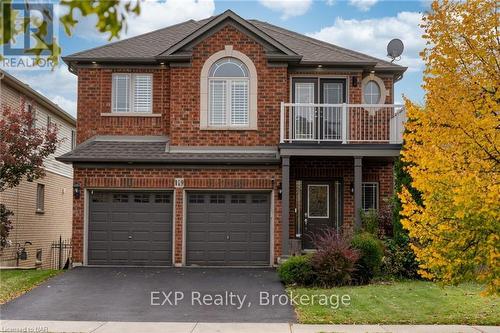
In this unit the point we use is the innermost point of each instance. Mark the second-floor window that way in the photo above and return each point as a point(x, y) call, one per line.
point(228, 93)
point(31, 110)
point(132, 92)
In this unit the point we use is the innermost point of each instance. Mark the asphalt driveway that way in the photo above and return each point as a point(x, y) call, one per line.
point(156, 295)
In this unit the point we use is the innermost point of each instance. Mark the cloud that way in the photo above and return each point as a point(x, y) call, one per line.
point(154, 15)
point(371, 36)
point(363, 5)
point(59, 85)
point(67, 105)
point(288, 8)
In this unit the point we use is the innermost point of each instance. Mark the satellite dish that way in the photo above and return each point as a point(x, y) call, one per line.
point(395, 49)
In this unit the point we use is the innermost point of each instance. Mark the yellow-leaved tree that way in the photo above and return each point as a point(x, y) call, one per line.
point(452, 146)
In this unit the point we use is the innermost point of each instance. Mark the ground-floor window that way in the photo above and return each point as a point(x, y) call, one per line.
point(369, 195)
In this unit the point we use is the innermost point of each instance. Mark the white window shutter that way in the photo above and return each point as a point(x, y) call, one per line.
point(121, 93)
point(239, 103)
point(142, 93)
point(217, 102)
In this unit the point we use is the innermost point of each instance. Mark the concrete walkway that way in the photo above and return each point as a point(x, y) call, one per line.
point(183, 327)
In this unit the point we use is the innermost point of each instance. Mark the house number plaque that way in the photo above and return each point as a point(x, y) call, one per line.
point(179, 182)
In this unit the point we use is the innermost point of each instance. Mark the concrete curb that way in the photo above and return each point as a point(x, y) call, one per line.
point(183, 327)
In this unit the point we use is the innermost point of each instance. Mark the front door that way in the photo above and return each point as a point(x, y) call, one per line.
point(321, 209)
point(318, 210)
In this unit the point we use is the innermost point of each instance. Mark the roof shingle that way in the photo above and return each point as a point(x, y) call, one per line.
point(148, 46)
point(154, 151)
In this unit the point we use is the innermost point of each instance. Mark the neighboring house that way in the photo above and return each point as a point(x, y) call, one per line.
point(42, 208)
point(222, 142)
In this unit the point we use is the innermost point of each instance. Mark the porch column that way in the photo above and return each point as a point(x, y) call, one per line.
point(358, 176)
point(285, 205)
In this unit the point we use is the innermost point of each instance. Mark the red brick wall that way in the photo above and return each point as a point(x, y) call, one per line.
point(94, 98)
point(136, 178)
point(326, 168)
point(176, 97)
point(185, 85)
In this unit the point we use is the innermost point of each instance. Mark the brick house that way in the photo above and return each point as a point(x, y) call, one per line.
point(226, 142)
point(42, 208)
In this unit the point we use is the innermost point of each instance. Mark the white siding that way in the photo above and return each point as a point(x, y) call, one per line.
point(64, 134)
point(15, 99)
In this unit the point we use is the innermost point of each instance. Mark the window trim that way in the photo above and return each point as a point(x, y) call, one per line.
point(228, 52)
point(40, 198)
point(377, 193)
point(131, 96)
point(73, 139)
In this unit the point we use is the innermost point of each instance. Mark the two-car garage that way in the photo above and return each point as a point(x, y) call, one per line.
point(221, 228)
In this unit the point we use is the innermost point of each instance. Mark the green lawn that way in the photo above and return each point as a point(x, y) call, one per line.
point(407, 302)
point(16, 282)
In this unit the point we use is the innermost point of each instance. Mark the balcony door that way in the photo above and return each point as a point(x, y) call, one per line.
point(306, 125)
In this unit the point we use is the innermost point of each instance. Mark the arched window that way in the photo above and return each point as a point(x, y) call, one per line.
point(228, 92)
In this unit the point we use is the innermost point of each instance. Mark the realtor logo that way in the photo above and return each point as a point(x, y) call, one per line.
point(31, 38)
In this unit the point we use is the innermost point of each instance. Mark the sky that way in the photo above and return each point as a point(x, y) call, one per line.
point(362, 25)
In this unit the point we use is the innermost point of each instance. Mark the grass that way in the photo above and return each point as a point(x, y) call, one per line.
point(402, 302)
point(14, 283)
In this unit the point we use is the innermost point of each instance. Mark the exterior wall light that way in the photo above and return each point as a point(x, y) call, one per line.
point(354, 81)
point(77, 190)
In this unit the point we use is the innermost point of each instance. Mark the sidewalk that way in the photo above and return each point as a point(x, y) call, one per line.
point(132, 327)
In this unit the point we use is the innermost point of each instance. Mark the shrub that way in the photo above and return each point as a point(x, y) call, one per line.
point(297, 270)
point(370, 221)
point(335, 259)
point(399, 260)
point(370, 261)
point(5, 225)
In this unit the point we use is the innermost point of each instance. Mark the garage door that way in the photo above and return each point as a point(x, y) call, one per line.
point(228, 229)
point(130, 228)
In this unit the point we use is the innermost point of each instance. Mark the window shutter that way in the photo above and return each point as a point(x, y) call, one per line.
point(239, 103)
point(121, 95)
point(217, 102)
point(142, 93)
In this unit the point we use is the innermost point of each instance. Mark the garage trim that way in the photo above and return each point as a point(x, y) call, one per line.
point(184, 218)
point(86, 208)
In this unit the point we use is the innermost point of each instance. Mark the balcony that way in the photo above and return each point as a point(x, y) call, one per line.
point(342, 123)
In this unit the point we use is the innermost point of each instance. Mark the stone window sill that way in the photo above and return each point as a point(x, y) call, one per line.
point(228, 128)
point(131, 114)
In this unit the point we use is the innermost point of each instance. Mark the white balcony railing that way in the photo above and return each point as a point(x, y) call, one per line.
point(343, 123)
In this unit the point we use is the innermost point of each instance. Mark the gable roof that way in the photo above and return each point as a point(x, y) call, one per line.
point(215, 21)
point(25, 89)
point(314, 51)
point(164, 44)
